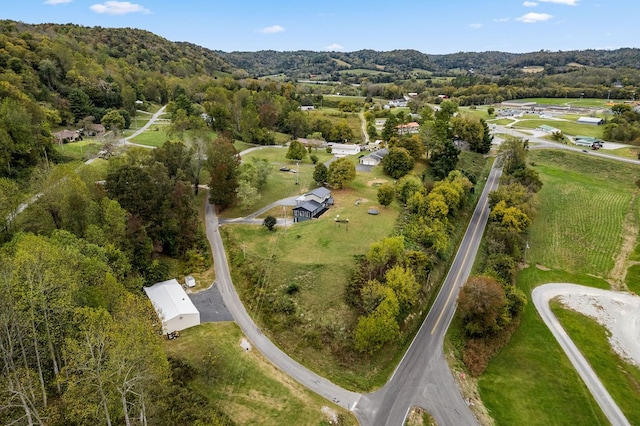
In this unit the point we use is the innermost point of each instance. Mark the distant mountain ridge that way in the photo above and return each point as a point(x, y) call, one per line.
point(268, 62)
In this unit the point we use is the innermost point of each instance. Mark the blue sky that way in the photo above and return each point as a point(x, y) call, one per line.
point(437, 26)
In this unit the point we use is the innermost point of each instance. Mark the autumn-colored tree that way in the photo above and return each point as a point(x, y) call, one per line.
point(386, 194)
point(341, 172)
point(481, 303)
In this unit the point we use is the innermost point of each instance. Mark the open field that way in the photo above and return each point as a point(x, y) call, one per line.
point(620, 378)
point(577, 102)
point(280, 184)
point(244, 385)
point(80, 150)
point(531, 381)
point(364, 71)
point(317, 257)
point(576, 237)
point(567, 127)
point(584, 202)
point(154, 136)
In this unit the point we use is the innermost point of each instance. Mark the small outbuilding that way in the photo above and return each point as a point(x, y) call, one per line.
point(591, 120)
point(173, 306)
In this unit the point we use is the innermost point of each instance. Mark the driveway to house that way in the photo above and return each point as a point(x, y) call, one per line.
point(541, 296)
point(143, 129)
point(311, 380)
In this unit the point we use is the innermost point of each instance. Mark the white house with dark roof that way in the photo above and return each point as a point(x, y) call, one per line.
point(344, 149)
point(312, 204)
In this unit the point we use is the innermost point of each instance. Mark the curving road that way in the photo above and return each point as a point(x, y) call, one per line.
point(311, 380)
point(541, 296)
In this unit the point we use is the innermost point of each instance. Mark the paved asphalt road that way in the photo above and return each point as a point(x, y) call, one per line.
point(541, 296)
point(423, 377)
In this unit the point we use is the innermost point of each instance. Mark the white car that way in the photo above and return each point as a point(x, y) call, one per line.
point(190, 281)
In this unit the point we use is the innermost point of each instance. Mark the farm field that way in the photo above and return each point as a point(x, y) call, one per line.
point(80, 150)
point(576, 237)
point(243, 384)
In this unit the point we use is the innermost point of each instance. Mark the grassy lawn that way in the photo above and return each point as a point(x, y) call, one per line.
point(531, 381)
point(280, 184)
point(575, 237)
point(502, 121)
point(584, 102)
point(620, 378)
point(244, 385)
point(633, 278)
point(567, 127)
point(153, 136)
point(78, 151)
point(584, 201)
point(631, 152)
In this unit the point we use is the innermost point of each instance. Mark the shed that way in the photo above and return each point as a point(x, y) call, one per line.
point(173, 306)
point(548, 129)
point(591, 120)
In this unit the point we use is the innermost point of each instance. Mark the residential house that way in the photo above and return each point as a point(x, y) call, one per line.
point(398, 103)
point(374, 158)
point(65, 136)
point(410, 128)
point(312, 204)
point(307, 108)
point(95, 129)
point(344, 149)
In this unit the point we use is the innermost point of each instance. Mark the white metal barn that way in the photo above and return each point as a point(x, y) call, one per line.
point(173, 306)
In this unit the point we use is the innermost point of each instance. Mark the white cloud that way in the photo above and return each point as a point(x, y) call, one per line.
point(530, 4)
point(501, 20)
point(475, 26)
point(272, 29)
point(532, 17)
point(55, 2)
point(567, 2)
point(333, 47)
point(117, 8)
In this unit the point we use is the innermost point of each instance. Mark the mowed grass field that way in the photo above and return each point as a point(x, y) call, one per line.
point(244, 385)
point(583, 204)
point(620, 378)
point(155, 135)
point(567, 127)
point(280, 184)
point(575, 237)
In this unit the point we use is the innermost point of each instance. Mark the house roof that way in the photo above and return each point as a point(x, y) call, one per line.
point(409, 125)
point(310, 206)
point(321, 192)
point(548, 128)
point(590, 120)
point(66, 134)
point(170, 300)
point(348, 146)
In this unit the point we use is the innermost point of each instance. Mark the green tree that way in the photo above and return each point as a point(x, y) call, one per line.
point(296, 151)
point(491, 110)
point(389, 130)
point(113, 120)
point(386, 194)
point(269, 222)
point(342, 132)
point(380, 326)
point(222, 164)
point(397, 163)
point(413, 145)
point(313, 158)
point(444, 160)
point(247, 194)
point(404, 285)
point(341, 172)
point(297, 123)
point(320, 173)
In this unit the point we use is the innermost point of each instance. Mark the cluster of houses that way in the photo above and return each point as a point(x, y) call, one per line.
point(66, 136)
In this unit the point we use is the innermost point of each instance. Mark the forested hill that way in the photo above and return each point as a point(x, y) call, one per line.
point(301, 63)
